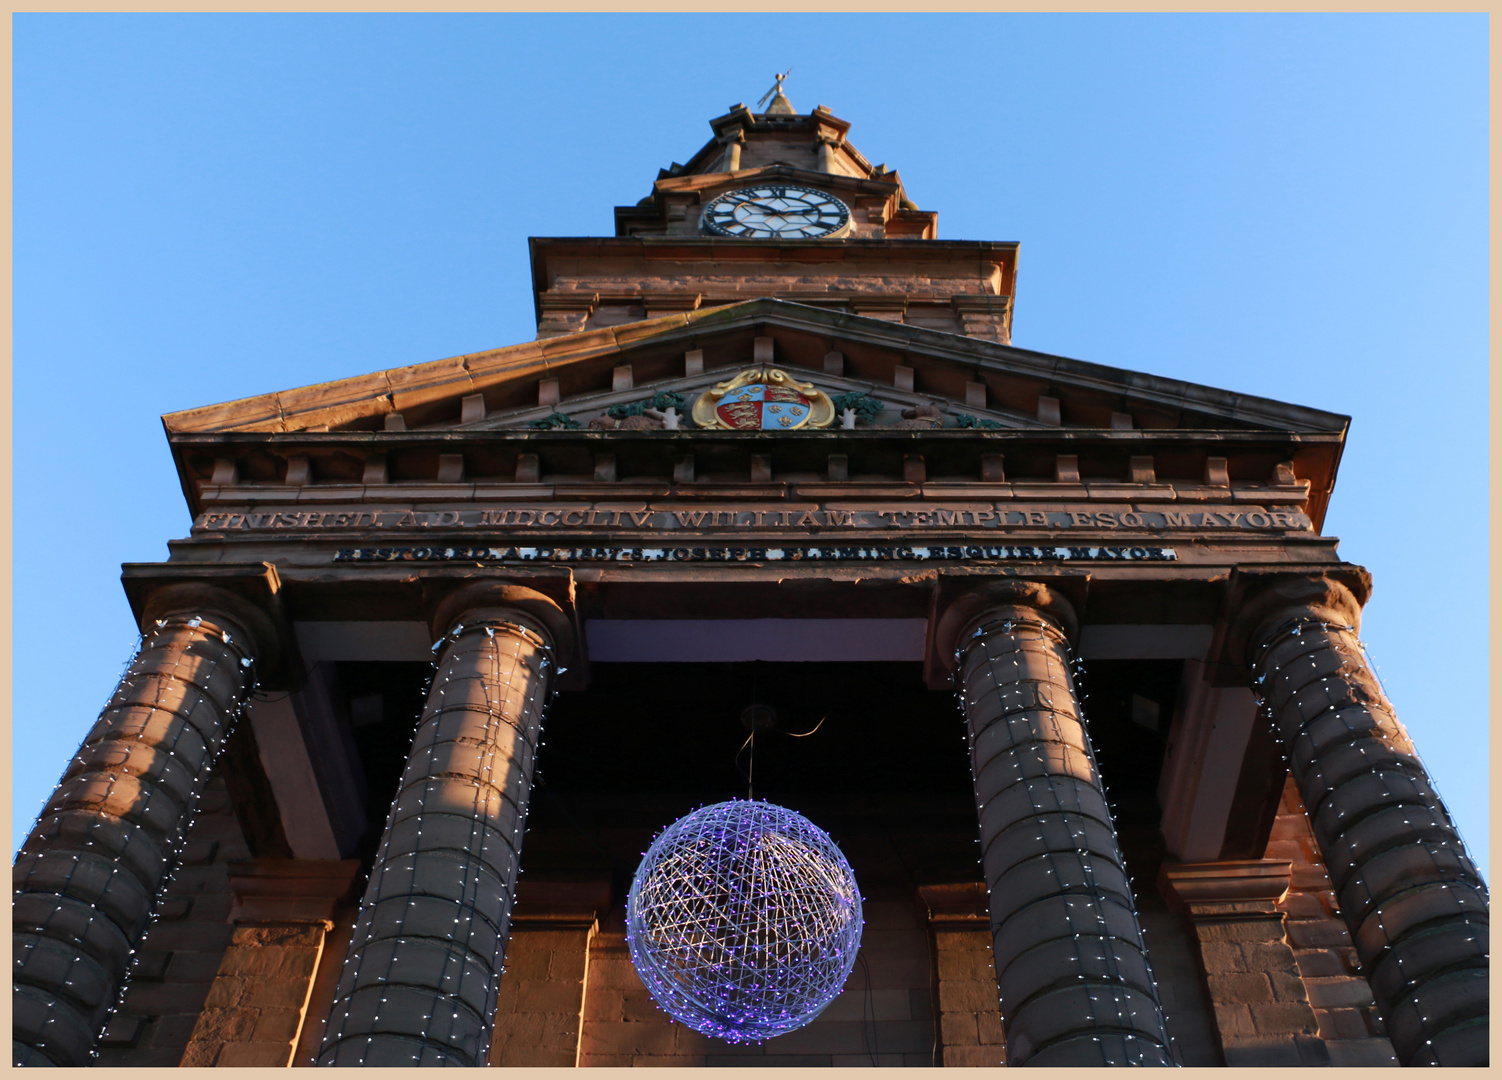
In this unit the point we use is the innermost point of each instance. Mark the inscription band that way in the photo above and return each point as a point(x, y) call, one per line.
point(878, 553)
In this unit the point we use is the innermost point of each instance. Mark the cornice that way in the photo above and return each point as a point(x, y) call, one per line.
point(967, 255)
point(1079, 436)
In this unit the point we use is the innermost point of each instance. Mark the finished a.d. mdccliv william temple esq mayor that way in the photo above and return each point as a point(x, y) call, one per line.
point(867, 691)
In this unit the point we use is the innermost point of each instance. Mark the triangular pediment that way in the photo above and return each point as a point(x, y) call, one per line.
point(583, 376)
point(709, 184)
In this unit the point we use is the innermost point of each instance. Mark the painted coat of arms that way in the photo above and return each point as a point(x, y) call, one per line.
point(763, 400)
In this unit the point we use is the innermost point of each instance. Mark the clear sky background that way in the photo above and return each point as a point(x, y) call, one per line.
point(213, 206)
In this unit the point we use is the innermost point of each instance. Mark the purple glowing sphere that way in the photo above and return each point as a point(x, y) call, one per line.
point(744, 920)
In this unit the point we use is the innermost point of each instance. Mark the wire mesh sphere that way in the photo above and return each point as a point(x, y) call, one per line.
point(744, 920)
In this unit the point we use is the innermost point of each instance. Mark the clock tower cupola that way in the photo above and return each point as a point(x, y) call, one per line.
point(776, 204)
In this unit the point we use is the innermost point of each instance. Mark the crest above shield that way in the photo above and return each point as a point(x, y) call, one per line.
point(763, 399)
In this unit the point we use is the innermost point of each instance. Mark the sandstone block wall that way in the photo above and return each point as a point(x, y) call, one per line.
point(1262, 1012)
point(970, 1030)
point(886, 1021)
point(253, 1012)
point(541, 996)
point(325, 983)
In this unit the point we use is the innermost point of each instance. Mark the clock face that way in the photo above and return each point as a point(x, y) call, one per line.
point(777, 211)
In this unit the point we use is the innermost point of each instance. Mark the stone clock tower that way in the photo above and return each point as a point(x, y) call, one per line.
point(1058, 654)
point(777, 205)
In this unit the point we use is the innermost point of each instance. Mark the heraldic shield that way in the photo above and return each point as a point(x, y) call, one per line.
point(763, 400)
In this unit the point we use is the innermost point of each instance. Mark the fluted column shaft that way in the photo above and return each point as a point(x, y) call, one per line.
point(92, 868)
point(1414, 902)
point(1071, 966)
point(419, 985)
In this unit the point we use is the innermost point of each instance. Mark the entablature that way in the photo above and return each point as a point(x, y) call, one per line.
point(957, 286)
point(1173, 466)
point(940, 406)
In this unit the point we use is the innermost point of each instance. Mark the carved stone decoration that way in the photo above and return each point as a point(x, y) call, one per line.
point(763, 400)
point(920, 418)
point(629, 423)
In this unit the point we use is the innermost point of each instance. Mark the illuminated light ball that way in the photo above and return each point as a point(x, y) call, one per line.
point(744, 920)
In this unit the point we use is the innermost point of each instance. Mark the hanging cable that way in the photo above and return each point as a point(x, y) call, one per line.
point(751, 744)
point(750, 762)
point(873, 1046)
point(806, 734)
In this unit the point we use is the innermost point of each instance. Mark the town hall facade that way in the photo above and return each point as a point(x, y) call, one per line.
point(1057, 653)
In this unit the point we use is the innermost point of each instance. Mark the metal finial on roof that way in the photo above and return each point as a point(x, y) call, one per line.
point(780, 104)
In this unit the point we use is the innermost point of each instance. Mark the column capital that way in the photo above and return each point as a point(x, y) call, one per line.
point(998, 598)
point(504, 601)
point(1258, 601)
point(246, 595)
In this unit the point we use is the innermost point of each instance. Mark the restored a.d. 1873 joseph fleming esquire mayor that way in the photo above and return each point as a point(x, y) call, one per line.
point(1056, 653)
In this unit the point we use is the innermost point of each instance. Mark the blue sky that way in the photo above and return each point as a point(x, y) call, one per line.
point(212, 206)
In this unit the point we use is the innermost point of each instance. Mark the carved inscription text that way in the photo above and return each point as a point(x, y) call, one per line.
point(661, 519)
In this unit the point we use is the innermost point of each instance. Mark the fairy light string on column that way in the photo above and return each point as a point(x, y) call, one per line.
point(137, 822)
point(1016, 633)
point(1029, 727)
point(1321, 695)
point(1077, 665)
point(449, 932)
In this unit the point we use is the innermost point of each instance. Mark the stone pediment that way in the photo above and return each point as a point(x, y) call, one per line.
point(949, 381)
point(709, 184)
point(921, 404)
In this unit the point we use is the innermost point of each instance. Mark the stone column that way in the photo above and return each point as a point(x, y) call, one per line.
point(98, 857)
point(1071, 966)
point(1414, 902)
point(419, 984)
point(734, 140)
point(826, 147)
